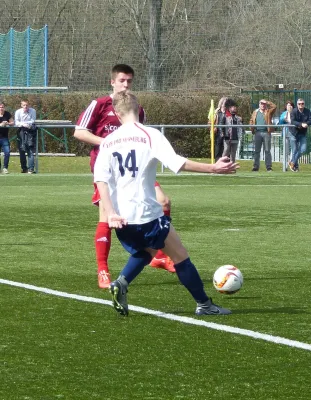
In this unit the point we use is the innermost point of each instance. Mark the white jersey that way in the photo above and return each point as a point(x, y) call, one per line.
point(127, 161)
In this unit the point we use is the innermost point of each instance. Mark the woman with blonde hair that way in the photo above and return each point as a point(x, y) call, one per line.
point(219, 137)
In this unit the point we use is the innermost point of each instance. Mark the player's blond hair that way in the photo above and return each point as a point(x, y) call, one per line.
point(125, 102)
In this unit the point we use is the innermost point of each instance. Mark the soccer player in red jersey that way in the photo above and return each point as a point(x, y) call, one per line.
point(94, 124)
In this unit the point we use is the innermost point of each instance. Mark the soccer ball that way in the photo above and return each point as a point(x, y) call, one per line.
point(228, 279)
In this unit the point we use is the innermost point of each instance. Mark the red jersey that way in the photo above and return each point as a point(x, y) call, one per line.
point(101, 120)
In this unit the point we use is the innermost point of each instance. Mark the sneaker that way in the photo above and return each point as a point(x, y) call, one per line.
point(24, 171)
point(255, 169)
point(103, 280)
point(5, 171)
point(164, 263)
point(31, 171)
point(209, 308)
point(269, 169)
point(292, 166)
point(119, 297)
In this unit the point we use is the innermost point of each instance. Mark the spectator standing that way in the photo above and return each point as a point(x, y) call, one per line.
point(6, 120)
point(232, 133)
point(129, 198)
point(219, 138)
point(301, 118)
point(25, 119)
point(285, 119)
point(262, 135)
point(285, 116)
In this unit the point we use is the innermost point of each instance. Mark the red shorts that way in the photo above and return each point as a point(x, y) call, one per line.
point(96, 196)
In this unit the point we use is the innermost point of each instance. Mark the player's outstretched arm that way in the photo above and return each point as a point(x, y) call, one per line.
point(222, 166)
point(114, 220)
point(87, 137)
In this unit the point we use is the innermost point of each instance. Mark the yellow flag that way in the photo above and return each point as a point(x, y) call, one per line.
point(211, 118)
point(211, 113)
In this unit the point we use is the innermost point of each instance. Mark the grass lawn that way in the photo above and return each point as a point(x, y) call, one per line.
point(61, 339)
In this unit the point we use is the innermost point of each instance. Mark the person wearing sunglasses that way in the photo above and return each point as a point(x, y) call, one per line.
point(261, 117)
point(300, 117)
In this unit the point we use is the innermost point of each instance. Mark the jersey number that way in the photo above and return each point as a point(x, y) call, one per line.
point(130, 162)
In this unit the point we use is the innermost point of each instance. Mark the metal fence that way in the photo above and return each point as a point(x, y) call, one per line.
point(280, 149)
point(278, 97)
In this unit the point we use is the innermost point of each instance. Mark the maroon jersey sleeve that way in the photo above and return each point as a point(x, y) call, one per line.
point(99, 117)
point(88, 118)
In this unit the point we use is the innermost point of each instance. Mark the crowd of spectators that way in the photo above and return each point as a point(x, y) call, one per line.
point(228, 130)
point(226, 137)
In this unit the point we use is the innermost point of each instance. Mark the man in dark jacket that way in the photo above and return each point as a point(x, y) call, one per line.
point(301, 118)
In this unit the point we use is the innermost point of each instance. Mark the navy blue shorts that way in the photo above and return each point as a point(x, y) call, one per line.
point(135, 238)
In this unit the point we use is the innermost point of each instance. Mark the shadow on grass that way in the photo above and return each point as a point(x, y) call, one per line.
point(280, 310)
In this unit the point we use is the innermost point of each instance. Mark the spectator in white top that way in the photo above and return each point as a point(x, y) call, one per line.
point(25, 118)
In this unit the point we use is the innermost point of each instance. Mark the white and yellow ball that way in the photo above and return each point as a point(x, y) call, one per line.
point(228, 279)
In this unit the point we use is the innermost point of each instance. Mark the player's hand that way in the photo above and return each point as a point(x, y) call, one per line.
point(115, 221)
point(225, 166)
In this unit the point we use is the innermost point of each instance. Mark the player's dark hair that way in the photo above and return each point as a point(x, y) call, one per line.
point(121, 68)
point(289, 102)
point(229, 103)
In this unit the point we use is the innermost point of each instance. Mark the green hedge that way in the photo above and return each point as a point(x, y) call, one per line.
point(161, 108)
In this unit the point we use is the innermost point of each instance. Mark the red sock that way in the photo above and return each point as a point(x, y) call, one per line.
point(167, 213)
point(102, 246)
point(160, 253)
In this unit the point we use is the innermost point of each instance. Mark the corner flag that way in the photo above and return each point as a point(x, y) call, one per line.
point(211, 119)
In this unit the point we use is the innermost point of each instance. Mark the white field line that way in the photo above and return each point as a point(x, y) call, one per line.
point(171, 317)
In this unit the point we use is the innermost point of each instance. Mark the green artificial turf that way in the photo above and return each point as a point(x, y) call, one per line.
point(63, 348)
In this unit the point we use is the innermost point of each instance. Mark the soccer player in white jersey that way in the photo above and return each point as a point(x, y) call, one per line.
point(125, 172)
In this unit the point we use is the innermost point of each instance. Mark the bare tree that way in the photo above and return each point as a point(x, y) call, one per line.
point(172, 44)
point(154, 51)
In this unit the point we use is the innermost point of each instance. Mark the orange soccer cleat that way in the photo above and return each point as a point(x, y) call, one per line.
point(164, 263)
point(103, 280)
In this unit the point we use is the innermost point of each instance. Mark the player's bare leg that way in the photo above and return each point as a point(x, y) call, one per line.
point(102, 248)
point(161, 260)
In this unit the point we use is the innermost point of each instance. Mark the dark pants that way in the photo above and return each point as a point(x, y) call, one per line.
point(219, 146)
point(262, 138)
point(5, 145)
point(26, 139)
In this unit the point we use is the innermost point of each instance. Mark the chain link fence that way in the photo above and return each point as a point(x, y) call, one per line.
point(173, 45)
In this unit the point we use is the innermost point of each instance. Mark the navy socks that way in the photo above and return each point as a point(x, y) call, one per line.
point(190, 278)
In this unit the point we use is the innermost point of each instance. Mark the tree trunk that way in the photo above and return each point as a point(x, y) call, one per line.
point(154, 50)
